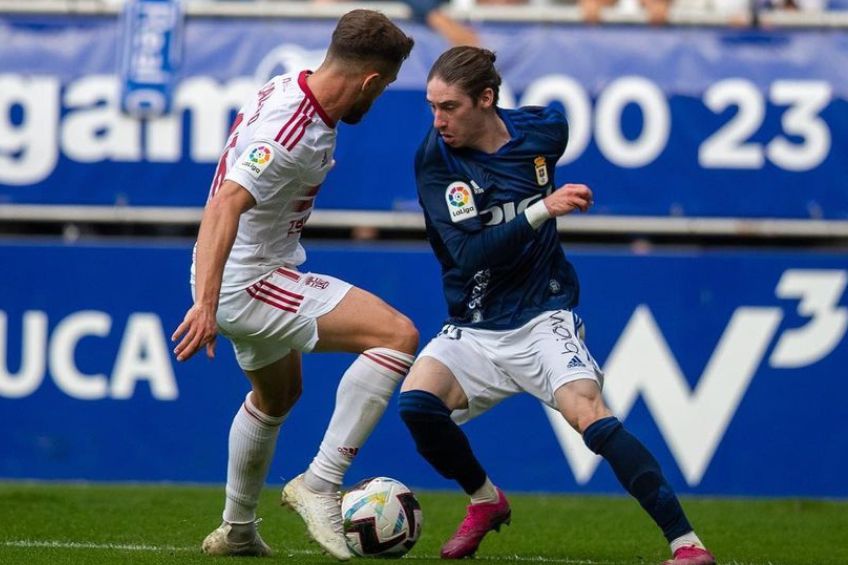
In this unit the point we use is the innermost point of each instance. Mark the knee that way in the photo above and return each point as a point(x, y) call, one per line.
point(584, 419)
point(278, 402)
point(403, 336)
point(582, 406)
point(418, 405)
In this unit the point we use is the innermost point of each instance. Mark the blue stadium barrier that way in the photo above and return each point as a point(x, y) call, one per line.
point(728, 364)
point(664, 122)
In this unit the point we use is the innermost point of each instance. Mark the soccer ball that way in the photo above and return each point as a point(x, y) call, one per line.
point(382, 518)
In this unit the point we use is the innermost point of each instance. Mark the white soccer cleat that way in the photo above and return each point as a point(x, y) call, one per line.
point(236, 540)
point(322, 513)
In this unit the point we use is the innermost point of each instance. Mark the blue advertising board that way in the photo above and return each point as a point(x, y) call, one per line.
point(723, 363)
point(665, 122)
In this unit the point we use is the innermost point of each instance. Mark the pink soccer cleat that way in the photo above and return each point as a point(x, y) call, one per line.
point(479, 520)
point(691, 555)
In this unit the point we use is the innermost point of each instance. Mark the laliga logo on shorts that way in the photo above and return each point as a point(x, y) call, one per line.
point(693, 421)
point(260, 155)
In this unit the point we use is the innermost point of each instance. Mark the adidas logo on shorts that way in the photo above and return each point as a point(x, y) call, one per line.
point(575, 362)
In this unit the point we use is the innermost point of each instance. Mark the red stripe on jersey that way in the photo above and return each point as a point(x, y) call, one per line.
point(221, 170)
point(297, 126)
point(291, 119)
point(311, 114)
point(379, 361)
point(289, 274)
point(293, 144)
point(236, 122)
point(282, 291)
point(270, 302)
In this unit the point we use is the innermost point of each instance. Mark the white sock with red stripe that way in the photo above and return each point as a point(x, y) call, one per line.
point(253, 437)
point(361, 399)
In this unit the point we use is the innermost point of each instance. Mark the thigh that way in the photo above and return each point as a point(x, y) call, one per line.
point(463, 352)
point(361, 321)
point(548, 353)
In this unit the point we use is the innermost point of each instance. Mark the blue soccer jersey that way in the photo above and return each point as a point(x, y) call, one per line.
point(497, 271)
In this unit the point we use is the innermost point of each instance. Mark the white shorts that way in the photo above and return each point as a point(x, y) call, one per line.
point(539, 357)
point(277, 314)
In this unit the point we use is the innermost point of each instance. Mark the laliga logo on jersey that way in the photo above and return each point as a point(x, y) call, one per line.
point(255, 159)
point(458, 196)
point(460, 204)
point(260, 155)
point(693, 421)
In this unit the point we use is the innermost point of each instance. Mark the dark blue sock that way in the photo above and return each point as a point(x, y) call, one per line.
point(639, 473)
point(439, 440)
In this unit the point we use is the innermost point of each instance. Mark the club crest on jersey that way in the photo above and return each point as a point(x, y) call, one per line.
point(255, 159)
point(541, 170)
point(460, 202)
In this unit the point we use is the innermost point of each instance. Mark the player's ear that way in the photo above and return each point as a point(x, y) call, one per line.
point(371, 81)
point(487, 98)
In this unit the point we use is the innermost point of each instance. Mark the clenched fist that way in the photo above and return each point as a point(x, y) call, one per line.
point(567, 198)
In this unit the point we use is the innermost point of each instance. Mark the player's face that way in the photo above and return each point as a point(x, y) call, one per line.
point(370, 92)
point(460, 122)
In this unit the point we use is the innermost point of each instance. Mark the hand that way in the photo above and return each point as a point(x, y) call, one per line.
point(199, 328)
point(569, 197)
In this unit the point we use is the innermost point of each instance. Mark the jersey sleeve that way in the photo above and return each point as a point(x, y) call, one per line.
point(263, 168)
point(451, 211)
point(557, 127)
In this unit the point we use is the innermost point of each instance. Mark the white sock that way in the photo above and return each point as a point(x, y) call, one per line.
point(684, 540)
point(253, 437)
point(361, 399)
point(486, 493)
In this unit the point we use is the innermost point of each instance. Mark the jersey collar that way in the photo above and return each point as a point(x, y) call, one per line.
point(301, 81)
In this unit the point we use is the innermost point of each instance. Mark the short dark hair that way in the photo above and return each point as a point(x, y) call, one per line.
point(470, 68)
point(369, 36)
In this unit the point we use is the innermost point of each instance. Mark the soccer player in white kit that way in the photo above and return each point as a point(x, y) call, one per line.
point(247, 286)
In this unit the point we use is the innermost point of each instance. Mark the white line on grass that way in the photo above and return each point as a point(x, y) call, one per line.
point(56, 544)
point(172, 548)
point(89, 545)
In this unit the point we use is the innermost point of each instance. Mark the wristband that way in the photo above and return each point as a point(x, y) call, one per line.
point(537, 214)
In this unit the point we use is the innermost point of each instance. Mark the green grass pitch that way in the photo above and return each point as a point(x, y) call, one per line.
point(57, 524)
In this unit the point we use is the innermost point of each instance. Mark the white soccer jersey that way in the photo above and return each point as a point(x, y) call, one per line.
point(280, 149)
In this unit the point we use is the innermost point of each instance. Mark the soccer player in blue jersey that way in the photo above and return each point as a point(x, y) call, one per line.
point(485, 181)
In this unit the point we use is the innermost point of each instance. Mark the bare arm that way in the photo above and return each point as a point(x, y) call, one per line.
point(214, 242)
point(455, 32)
